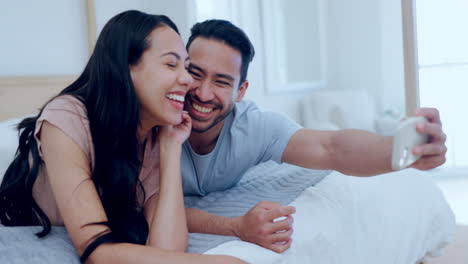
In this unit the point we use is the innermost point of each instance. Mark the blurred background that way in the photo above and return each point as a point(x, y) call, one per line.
point(308, 52)
point(328, 64)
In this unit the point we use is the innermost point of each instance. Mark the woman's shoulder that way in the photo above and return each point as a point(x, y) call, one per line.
point(66, 105)
point(68, 114)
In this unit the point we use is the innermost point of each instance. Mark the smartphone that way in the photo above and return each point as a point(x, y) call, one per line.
point(405, 139)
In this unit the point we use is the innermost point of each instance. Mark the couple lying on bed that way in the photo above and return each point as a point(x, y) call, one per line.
point(112, 155)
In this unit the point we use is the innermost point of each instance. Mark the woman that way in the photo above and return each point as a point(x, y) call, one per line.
point(103, 157)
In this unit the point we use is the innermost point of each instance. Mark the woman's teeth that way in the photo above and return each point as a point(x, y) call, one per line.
point(202, 109)
point(176, 97)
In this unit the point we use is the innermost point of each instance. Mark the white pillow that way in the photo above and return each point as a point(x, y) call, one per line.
point(340, 108)
point(8, 143)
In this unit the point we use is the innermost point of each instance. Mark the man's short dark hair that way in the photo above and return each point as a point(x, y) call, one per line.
point(229, 34)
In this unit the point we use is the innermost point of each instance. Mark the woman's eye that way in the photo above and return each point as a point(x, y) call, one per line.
point(171, 65)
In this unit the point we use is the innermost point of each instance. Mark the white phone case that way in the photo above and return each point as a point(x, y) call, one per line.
point(406, 138)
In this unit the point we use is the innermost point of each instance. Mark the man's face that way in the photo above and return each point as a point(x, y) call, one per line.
point(215, 68)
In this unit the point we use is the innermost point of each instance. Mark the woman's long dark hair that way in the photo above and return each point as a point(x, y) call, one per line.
point(106, 89)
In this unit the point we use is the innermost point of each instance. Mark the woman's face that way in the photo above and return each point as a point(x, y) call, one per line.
point(160, 78)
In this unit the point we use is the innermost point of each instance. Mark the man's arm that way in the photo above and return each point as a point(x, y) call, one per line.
point(199, 221)
point(351, 151)
point(362, 153)
point(256, 226)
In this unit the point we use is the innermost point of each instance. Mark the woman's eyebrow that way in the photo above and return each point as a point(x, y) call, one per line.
point(172, 53)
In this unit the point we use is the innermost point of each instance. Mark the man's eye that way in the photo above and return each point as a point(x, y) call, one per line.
point(193, 73)
point(223, 83)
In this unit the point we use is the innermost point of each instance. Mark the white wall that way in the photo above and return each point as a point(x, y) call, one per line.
point(353, 41)
point(106, 9)
point(244, 14)
point(392, 94)
point(175, 9)
point(286, 103)
point(363, 43)
point(365, 49)
point(49, 37)
point(46, 37)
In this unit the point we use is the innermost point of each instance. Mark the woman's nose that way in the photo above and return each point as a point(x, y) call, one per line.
point(185, 78)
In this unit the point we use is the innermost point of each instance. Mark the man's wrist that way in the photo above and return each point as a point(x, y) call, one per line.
point(233, 225)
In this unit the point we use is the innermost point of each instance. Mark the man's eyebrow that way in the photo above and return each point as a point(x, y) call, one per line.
point(194, 66)
point(174, 54)
point(225, 76)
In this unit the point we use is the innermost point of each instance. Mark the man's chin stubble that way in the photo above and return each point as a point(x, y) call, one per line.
point(215, 122)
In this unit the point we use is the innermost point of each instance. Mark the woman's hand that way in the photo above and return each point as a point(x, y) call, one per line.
point(177, 133)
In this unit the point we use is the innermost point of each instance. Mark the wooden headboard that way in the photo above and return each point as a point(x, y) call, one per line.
point(24, 95)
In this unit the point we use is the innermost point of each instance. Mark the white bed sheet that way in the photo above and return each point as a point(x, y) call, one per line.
point(399, 217)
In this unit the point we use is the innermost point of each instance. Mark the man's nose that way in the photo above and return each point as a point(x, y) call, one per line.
point(204, 91)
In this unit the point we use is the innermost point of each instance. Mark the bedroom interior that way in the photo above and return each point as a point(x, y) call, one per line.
point(346, 72)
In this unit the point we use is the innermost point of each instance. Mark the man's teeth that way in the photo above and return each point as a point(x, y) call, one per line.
point(176, 97)
point(202, 109)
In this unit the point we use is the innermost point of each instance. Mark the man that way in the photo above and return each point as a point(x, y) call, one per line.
point(229, 136)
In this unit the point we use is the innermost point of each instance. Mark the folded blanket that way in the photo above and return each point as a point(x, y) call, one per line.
point(269, 181)
point(281, 183)
point(19, 245)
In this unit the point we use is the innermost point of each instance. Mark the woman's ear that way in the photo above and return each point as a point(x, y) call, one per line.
point(133, 69)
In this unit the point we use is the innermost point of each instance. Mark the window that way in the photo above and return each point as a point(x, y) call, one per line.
point(294, 45)
point(443, 69)
point(275, 26)
point(209, 9)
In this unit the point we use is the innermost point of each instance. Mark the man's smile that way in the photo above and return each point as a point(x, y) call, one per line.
point(200, 111)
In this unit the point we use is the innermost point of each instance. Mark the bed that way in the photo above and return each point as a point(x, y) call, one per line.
point(400, 217)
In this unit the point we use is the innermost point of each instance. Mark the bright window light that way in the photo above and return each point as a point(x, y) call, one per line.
point(443, 69)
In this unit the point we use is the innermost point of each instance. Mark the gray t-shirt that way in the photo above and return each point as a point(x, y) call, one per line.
point(249, 137)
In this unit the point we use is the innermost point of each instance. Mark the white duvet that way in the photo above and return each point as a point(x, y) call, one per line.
point(399, 217)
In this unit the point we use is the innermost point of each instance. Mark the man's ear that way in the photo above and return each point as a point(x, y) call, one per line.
point(242, 90)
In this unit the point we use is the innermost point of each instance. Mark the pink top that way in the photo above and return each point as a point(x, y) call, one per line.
point(69, 115)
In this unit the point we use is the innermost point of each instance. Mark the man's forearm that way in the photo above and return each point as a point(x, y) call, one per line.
point(199, 221)
point(361, 153)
